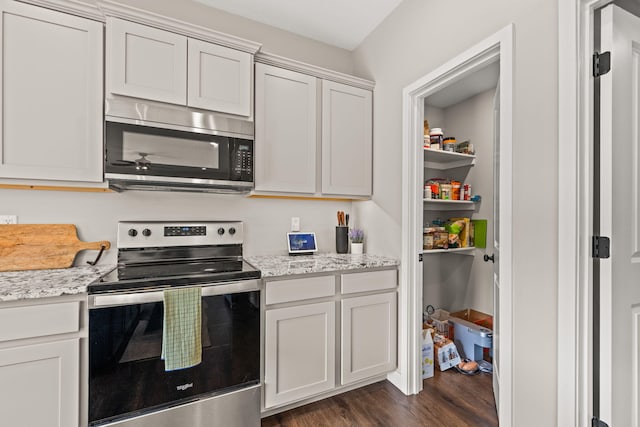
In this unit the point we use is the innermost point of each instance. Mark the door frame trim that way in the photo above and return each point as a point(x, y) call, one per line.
point(575, 217)
point(498, 46)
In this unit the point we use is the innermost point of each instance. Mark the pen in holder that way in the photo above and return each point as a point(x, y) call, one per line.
point(342, 239)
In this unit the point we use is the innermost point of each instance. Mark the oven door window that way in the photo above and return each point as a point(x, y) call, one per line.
point(144, 150)
point(127, 375)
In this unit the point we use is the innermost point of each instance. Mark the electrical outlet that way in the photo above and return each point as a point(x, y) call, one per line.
point(8, 219)
point(295, 223)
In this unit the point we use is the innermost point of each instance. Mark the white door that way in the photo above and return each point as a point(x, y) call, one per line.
point(347, 140)
point(368, 336)
point(51, 95)
point(299, 356)
point(219, 78)
point(620, 220)
point(286, 130)
point(40, 385)
point(496, 249)
point(146, 62)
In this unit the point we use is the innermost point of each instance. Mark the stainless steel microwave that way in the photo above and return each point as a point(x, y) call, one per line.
point(152, 158)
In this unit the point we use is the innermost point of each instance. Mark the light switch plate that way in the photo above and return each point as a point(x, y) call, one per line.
point(8, 219)
point(295, 223)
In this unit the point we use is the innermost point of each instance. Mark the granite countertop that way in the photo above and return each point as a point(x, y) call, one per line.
point(284, 265)
point(18, 285)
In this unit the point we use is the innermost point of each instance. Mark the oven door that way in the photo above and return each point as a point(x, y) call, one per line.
point(127, 377)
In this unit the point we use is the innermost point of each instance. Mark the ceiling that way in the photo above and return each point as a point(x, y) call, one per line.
point(481, 80)
point(339, 23)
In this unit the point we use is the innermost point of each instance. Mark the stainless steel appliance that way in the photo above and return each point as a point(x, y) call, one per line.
point(154, 146)
point(128, 384)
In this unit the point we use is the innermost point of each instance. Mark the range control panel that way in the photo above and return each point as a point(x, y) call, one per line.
point(146, 234)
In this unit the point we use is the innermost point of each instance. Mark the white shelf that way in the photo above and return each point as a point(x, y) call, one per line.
point(442, 160)
point(448, 205)
point(461, 251)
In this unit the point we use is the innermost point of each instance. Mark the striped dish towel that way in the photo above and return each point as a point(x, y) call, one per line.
point(181, 329)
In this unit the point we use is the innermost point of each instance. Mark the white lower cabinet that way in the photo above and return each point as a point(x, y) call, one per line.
point(40, 384)
point(368, 336)
point(299, 353)
point(309, 346)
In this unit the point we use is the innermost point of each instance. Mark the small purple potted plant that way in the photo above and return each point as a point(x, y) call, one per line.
point(356, 235)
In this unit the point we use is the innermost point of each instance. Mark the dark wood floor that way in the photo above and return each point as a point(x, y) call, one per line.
point(449, 399)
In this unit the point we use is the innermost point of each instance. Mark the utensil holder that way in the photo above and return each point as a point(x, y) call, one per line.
point(342, 239)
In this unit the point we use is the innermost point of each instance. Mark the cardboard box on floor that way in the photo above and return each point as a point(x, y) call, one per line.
point(447, 354)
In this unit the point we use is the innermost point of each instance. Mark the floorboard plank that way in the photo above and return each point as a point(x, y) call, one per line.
point(449, 399)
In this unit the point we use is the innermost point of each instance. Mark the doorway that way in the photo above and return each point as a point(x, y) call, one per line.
point(594, 160)
point(496, 49)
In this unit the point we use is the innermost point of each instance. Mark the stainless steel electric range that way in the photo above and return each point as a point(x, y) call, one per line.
point(129, 385)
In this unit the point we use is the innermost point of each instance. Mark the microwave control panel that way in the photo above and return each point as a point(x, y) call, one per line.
point(242, 161)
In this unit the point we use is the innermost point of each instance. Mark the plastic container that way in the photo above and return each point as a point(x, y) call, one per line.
point(455, 190)
point(449, 144)
point(437, 137)
point(440, 321)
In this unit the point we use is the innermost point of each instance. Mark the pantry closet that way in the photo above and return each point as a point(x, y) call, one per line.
point(458, 278)
point(470, 97)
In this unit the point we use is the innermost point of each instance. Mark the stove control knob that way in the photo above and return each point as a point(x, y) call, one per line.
point(232, 231)
point(133, 232)
point(146, 232)
point(221, 231)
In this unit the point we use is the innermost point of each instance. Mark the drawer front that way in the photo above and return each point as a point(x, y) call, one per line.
point(39, 320)
point(280, 291)
point(369, 281)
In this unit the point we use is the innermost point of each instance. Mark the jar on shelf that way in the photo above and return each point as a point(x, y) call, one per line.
point(449, 144)
point(428, 238)
point(436, 136)
point(455, 190)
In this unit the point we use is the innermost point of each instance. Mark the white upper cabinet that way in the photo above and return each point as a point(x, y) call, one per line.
point(51, 106)
point(146, 62)
point(219, 78)
point(286, 130)
point(346, 140)
point(150, 63)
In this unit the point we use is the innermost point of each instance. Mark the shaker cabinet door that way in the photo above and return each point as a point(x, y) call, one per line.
point(219, 78)
point(286, 131)
point(145, 62)
point(51, 106)
point(346, 140)
point(368, 336)
point(40, 385)
point(299, 352)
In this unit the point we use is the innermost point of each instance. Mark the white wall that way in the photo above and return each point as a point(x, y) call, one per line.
point(420, 36)
point(266, 220)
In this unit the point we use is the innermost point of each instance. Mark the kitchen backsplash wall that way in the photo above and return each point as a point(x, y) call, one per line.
point(96, 215)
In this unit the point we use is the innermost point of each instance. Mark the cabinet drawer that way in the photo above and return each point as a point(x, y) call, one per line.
point(280, 291)
point(39, 320)
point(369, 281)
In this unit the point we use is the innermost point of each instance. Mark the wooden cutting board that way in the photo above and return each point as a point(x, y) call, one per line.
point(41, 246)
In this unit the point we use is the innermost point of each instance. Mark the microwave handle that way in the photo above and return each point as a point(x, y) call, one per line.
point(211, 289)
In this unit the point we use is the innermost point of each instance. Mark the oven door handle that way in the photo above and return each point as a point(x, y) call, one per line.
point(208, 290)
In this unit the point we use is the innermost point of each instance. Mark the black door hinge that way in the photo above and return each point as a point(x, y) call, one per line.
point(600, 247)
point(601, 63)
point(419, 257)
point(595, 422)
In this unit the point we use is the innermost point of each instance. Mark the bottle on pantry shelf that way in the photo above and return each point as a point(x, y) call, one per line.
point(449, 144)
point(455, 190)
point(467, 192)
point(436, 136)
point(445, 191)
point(427, 190)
